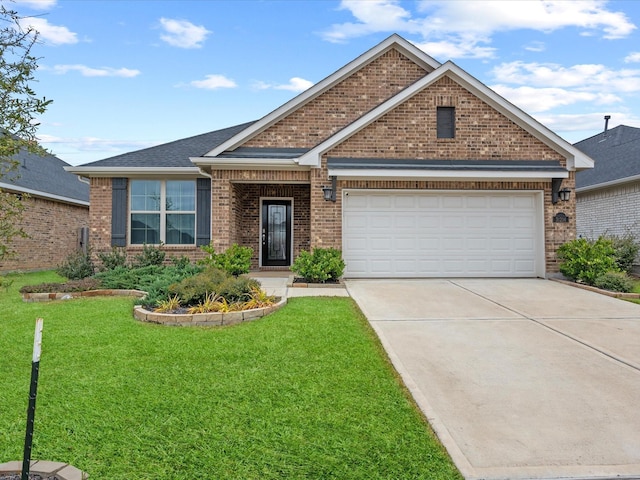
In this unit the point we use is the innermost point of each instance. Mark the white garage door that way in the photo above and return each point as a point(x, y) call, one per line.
point(442, 234)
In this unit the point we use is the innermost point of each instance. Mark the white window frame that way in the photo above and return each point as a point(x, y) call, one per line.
point(163, 211)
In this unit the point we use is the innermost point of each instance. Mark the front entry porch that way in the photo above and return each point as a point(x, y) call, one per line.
point(274, 220)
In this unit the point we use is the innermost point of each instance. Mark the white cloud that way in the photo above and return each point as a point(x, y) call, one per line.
point(95, 72)
point(633, 57)
point(182, 33)
point(464, 28)
point(213, 82)
point(51, 34)
point(296, 84)
point(535, 100)
point(37, 4)
point(584, 77)
point(535, 47)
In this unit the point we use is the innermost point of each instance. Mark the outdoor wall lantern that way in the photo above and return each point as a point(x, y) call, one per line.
point(330, 192)
point(556, 193)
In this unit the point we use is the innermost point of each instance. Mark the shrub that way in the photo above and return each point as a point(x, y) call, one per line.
point(235, 260)
point(193, 290)
point(584, 260)
point(237, 289)
point(614, 281)
point(324, 264)
point(71, 286)
point(626, 251)
point(153, 279)
point(113, 259)
point(150, 255)
point(76, 266)
point(196, 289)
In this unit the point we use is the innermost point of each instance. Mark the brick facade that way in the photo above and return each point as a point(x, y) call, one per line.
point(345, 102)
point(609, 211)
point(53, 228)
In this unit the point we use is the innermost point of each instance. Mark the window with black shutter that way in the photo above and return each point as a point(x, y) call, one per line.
point(446, 119)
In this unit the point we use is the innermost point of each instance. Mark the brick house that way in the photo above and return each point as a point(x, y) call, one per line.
point(56, 208)
point(413, 168)
point(608, 196)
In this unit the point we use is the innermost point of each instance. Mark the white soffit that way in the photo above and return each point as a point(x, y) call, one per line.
point(394, 41)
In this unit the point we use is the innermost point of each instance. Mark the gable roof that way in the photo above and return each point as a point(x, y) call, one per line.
point(172, 157)
point(576, 159)
point(395, 41)
point(45, 176)
point(617, 156)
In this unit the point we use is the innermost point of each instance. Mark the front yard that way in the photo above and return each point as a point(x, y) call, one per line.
point(306, 392)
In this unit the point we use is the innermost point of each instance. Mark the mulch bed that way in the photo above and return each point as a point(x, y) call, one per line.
point(32, 476)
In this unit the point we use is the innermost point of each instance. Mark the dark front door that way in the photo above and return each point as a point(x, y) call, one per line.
point(276, 233)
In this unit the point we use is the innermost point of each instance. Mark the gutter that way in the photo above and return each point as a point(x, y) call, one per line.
point(39, 193)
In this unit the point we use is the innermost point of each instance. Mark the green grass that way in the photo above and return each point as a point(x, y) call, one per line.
point(306, 392)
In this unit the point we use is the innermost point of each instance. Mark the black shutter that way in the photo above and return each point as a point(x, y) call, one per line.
point(119, 212)
point(446, 119)
point(203, 209)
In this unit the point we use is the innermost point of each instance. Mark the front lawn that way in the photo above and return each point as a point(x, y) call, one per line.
point(303, 393)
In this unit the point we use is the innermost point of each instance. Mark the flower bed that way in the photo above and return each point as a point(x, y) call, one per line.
point(212, 319)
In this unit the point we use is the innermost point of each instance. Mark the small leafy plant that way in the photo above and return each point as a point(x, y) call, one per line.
point(168, 305)
point(584, 260)
point(626, 251)
point(150, 255)
point(614, 282)
point(324, 264)
point(76, 266)
point(235, 260)
point(117, 257)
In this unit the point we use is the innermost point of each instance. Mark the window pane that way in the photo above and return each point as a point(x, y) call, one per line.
point(145, 228)
point(181, 195)
point(145, 195)
point(181, 229)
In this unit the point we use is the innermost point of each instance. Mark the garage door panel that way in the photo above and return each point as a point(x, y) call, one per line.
point(428, 234)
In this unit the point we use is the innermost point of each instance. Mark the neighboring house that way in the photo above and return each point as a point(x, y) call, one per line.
point(428, 173)
point(56, 208)
point(608, 196)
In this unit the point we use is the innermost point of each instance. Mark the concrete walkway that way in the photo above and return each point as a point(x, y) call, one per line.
point(521, 379)
point(278, 284)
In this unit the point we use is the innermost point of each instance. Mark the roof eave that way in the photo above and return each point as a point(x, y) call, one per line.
point(39, 193)
point(609, 184)
point(229, 163)
point(421, 174)
point(133, 171)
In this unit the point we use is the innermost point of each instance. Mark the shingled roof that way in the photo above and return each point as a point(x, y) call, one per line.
point(617, 157)
point(174, 154)
point(45, 176)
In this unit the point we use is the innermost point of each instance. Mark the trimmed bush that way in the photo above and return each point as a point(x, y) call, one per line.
point(237, 289)
point(324, 264)
point(76, 266)
point(614, 282)
point(584, 260)
point(235, 260)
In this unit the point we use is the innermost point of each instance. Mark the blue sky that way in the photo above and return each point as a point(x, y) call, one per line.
point(126, 75)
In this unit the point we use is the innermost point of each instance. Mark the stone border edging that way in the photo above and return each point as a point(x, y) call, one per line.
point(597, 290)
point(291, 284)
point(213, 319)
point(48, 297)
point(63, 471)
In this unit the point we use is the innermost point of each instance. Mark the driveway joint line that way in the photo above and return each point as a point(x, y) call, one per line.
point(555, 330)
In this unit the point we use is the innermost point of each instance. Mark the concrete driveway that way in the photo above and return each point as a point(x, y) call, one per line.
point(520, 378)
